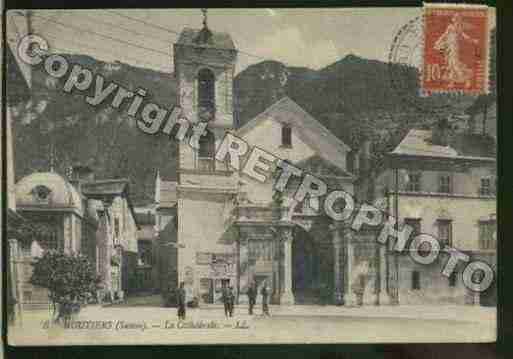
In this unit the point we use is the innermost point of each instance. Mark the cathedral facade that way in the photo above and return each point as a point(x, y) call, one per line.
point(233, 230)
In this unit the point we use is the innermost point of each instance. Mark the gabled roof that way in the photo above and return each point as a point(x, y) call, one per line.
point(217, 40)
point(108, 188)
point(460, 145)
point(310, 131)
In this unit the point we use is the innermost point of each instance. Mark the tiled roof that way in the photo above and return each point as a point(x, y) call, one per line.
point(419, 143)
point(217, 40)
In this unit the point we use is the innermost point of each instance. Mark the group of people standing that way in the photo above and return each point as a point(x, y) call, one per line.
point(228, 298)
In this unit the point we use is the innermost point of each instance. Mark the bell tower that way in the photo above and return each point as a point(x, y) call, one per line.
point(204, 64)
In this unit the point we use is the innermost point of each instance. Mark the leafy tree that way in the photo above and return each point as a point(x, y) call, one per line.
point(70, 279)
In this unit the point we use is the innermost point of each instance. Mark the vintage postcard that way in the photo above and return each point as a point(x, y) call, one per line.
point(213, 176)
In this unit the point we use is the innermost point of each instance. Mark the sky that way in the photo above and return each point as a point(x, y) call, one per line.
point(311, 38)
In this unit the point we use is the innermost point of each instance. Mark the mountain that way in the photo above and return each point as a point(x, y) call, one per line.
point(354, 97)
point(59, 128)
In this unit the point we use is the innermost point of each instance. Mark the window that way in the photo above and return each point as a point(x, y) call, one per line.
point(145, 252)
point(41, 193)
point(486, 187)
point(116, 227)
point(414, 184)
point(487, 235)
point(415, 280)
point(445, 184)
point(206, 152)
point(414, 223)
point(445, 231)
point(286, 135)
point(206, 93)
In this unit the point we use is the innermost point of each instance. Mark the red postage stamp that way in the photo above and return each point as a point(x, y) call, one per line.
point(456, 44)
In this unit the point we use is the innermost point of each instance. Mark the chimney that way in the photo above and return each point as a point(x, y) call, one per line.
point(441, 133)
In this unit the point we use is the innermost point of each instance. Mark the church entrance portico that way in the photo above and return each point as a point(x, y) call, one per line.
point(312, 261)
point(312, 268)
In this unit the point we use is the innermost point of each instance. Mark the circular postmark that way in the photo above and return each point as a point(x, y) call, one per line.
point(405, 65)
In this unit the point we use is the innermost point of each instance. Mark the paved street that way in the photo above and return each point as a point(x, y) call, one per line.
point(154, 325)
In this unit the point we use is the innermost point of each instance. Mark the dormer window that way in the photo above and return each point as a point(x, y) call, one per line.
point(286, 135)
point(41, 193)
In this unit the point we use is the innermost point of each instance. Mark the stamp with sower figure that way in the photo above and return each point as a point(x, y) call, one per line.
point(455, 52)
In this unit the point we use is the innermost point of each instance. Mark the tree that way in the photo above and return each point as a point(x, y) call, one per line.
point(70, 279)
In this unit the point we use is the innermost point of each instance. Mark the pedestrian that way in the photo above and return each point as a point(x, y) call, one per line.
point(231, 300)
point(181, 301)
point(225, 296)
point(265, 297)
point(252, 294)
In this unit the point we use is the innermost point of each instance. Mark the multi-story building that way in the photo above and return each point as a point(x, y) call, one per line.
point(442, 182)
point(229, 229)
point(93, 217)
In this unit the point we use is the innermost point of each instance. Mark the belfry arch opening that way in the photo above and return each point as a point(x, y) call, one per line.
point(206, 89)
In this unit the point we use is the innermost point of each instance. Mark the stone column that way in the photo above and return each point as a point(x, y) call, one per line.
point(238, 267)
point(276, 269)
point(287, 297)
point(337, 285)
point(383, 296)
point(349, 295)
point(243, 270)
point(15, 279)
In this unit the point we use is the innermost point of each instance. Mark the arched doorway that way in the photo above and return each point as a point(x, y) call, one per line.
point(312, 269)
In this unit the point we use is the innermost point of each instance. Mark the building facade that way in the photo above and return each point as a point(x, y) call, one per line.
point(443, 182)
point(77, 215)
point(234, 230)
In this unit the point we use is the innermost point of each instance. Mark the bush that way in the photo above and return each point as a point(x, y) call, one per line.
point(70, 279)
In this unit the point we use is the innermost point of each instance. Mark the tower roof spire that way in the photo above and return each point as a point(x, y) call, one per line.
point(205, 35)
point(205, 20)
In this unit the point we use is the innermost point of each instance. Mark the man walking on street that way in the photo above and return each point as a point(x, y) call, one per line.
point(181, 301)
point(265, 298)
point(231, 300)
point(252, 294)
point(226, 301)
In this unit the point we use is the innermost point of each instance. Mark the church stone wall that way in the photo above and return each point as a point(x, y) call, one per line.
point(203, 223)
point(267, 136)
